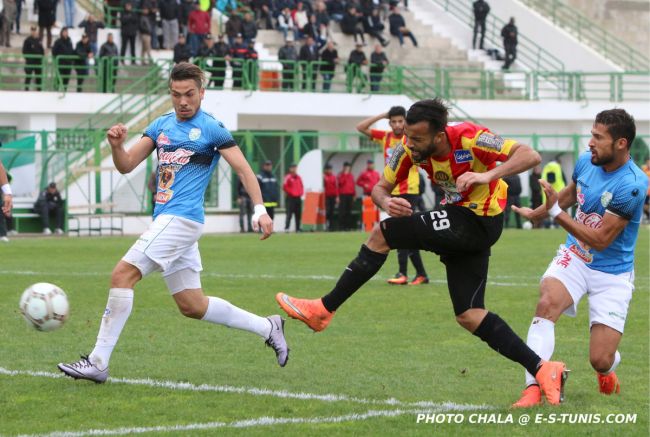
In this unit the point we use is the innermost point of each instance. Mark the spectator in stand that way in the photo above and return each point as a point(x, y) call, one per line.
point(248, 28)
point(169, 13)
point(336, 9)
point(374, 27)
point(264, 11)
point(238, 56)
point(19, 12)
point(109, 52)
point(90, 25)
point(46, 19)
point(245, 207)
point(398, 27)
point(220, 53)
point(378, 63)
point(368, 178)
point(286, 24)
point(182, 51)
point(313, 30)
point(294, 190)
point(7, 18)
point(130, 22)
point(49, 202)
point(481, 11)
point(345, 182)
point(33, 49)
point(329, 58)
point(269, 187)
point(509, 35)
point(63, 53)
point(233, 27)
point(198, 26)
point(351, 24)
point(330, 186)
point(152, 7)
point(288, 57)
point(300, 17)
point(514, 198)
point(354, 72)
point(111, 15)
point(322, 16)
point(145, 35)
point(186, 8)
point(309, 54)
point(85, 58)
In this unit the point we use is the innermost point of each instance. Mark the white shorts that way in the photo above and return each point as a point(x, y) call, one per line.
point(170, 245)
point(609, 294)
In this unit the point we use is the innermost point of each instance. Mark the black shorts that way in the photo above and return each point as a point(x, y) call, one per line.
point(460, 237)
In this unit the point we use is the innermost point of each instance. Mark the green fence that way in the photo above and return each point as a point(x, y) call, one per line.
point(591, 33)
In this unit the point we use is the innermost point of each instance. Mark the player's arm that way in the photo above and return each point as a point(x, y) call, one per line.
point(7, 195)
point(364, 125)
point(394, 206)
point(520, 159)
point(127, 160)
point(566, 198)
point(237, 161)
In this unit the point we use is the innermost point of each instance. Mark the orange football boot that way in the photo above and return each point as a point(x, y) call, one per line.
point(399, 279)
point(419, 280)
point(609, 384)
point(530, 397)
point(312, 312)
point(551, 377)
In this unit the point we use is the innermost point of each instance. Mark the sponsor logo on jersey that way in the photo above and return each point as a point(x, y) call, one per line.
point(581, 197)
point(178, 156)
point(582, 253)
point(195, 134)
point(490, 141)
point(605, 198)
point(461, 156)
point(163, 140)
point(395, 157)
point(592, 220)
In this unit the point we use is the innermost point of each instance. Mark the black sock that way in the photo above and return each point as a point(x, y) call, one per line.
point(497, 334)
point(416, 259)
point(403, 260)
point(358, 272)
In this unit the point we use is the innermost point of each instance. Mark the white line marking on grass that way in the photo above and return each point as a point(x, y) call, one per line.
point(254, 391)
point(246, 423)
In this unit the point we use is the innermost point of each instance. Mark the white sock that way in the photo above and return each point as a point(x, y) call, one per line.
point(541, 339)
point(118, 309)
point(617, 361)
point(224, 313)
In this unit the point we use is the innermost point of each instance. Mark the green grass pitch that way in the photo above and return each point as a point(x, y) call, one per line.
point(390, 352)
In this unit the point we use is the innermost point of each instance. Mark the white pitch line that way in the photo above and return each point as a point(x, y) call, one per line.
point(254, 391)
point(246, 423)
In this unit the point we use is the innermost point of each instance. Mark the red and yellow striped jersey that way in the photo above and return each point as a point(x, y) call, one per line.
point(473, 148)
point(389, 142)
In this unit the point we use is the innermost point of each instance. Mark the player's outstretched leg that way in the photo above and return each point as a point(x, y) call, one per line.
point(277, 341)
point(312, 312)
point(84, 369)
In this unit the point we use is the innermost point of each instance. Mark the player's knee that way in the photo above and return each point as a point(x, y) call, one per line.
point(376, 241)
point(601, 362)
point(548, 308)
point(466, 321)
point(191, 309)
point(124, 276)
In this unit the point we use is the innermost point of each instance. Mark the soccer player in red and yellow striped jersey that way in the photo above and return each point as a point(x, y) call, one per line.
point(462, 159)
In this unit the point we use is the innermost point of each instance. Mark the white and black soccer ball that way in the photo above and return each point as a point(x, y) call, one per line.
point(44, 306)
point(527, 225)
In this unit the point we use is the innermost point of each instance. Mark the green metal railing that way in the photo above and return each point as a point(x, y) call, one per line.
point(529, 53)
point(591, 33)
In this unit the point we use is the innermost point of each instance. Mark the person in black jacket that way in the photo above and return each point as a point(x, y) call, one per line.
point(329, 58)
point(398, 27)
point(481, 11)
point(169, 13)
point(108, 54)
point(130, 22)
point(49, 202)
point(91, 27)
point(33, 48)
point(220, 53)
point(289, 55)
point(182, 51)
point(85, 57)
point(238, 56)
point(146, 33)
point(309, 54)
point(63, 53)
point(269, 187)
point(374, 27)
point(351, 24)
point(378, 62)
point(509, 35)
point(514, 193)
point(353, 71)
point(46, 19)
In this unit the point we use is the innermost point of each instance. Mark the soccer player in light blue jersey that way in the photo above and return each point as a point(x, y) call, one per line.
point(189, 143)
point(597, 258)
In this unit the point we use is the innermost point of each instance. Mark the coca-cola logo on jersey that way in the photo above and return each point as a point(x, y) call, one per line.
point(593, 220)
point(178, 156)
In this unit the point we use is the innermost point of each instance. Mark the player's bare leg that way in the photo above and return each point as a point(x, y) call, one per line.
point(604, 357)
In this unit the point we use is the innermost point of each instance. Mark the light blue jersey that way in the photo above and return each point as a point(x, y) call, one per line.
point(188, 152)
point(621, 192)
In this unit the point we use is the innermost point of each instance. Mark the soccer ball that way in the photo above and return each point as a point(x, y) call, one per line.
point(44, 306)
point(527, 225)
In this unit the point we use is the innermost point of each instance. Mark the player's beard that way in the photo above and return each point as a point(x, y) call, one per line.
point(422, 156)
point(600, 159)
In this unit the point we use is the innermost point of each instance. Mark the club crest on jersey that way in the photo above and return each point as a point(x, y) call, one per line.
point(179, 156)
point(163, 140)
point(461, 156)
point(605, 198)
point(195, 134)
point(490, 141)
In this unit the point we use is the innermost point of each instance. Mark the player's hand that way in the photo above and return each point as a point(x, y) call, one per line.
point(469, 179)
point(398, 207)
point(116, 135)
point(265, 224)
point(526, 212)
point(8, 204)
point(551, 194)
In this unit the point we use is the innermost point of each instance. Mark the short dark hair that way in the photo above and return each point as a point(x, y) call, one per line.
point(433, 111)
point(396, 111)
point(187, 71)
point(619, 124)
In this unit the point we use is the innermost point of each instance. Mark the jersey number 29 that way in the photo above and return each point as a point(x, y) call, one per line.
point(439, 221)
